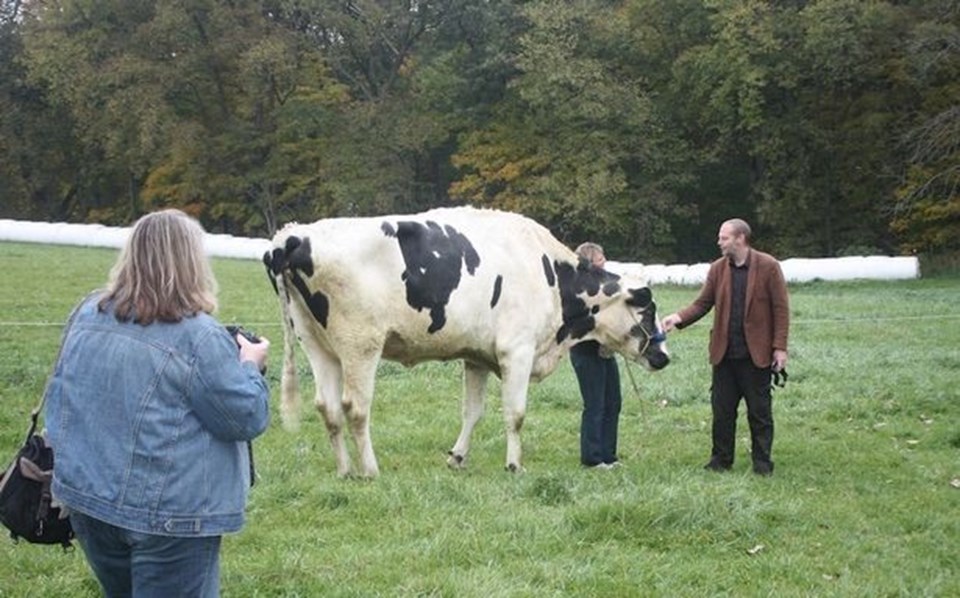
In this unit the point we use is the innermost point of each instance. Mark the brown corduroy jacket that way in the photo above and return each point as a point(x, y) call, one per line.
point(766, 318)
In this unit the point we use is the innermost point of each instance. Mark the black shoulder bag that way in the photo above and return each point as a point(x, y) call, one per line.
point(25, 501)
point(26, 506)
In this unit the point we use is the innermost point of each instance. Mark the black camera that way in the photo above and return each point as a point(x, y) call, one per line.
point(235, 330)
point(253, 338)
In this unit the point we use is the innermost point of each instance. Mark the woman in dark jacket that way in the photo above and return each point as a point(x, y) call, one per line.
point(599, 380)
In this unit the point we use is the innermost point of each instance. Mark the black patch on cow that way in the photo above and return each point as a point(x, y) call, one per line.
point(388, 229)
point(317, 302)
point(274, 261)
point(299, 256)
point(548, 270)
point(647, 327)
point(611, 288)
point(496, 291)
point(268, 263)
point(640, 297)
point(649, 318)
point(434, 257)
point(646, 331)
point(573, 281)
point(296, 258)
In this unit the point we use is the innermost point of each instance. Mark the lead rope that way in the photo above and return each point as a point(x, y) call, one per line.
point(636, 388)
point(647, 339)
point(659, 337)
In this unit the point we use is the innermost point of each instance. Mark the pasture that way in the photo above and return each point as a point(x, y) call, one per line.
point(864, 502)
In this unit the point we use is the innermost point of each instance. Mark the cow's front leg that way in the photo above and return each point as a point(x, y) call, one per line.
point(474, 396)
point(516, 380)
point(359, 378)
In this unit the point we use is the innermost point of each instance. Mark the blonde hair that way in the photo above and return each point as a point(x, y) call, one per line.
point(163, 272)
point(590, 251)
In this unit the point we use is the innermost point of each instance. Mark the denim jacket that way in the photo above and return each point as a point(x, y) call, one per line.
point(149, 423)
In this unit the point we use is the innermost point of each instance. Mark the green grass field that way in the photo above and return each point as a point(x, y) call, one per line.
point(867, 445)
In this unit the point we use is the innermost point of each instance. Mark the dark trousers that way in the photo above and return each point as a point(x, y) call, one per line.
point(734, 379)
point(599, 380)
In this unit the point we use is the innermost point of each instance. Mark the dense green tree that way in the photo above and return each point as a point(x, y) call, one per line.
point(793, 108)
point(829, 124)
point(846, 106)
point(39, 155)
point(369, 47)
point(13, 188)
point(418, 75)
point(179, 104)
point(577, 142)
point(927, 202)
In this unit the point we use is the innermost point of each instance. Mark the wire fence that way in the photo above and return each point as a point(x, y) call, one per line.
point(793, 322)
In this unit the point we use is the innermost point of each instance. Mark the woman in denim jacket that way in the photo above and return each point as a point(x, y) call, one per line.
point(149, 411)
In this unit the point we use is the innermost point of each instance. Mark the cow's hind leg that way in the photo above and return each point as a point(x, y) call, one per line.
point(327, 376)
point(474, 395)
point(359, 379)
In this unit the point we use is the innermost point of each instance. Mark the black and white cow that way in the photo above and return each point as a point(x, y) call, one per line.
point(491, 288)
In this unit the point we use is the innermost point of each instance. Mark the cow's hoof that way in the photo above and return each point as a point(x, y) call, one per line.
point(514, 468)
point(456, 461)
point(359, 476)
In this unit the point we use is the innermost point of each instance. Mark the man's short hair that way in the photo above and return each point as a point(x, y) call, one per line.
point(740, 227)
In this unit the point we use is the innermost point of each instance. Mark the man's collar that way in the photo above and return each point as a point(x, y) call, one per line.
point(746, 260)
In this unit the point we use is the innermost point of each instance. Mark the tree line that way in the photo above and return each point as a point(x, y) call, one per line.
point(832, 125)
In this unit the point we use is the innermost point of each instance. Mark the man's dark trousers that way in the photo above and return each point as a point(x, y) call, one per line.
point(734, 379)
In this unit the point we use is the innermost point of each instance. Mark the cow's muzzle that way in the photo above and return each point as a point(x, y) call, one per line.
point(657, 359)
point(652, 350)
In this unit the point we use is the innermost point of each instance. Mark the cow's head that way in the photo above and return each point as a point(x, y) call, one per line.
point(619, 313)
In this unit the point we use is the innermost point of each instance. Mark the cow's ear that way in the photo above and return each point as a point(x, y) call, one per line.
point(640, 298)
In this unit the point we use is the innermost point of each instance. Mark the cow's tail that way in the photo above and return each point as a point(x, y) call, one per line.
point(289, 385)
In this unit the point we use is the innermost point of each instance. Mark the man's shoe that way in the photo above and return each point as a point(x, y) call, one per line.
point(716, 466)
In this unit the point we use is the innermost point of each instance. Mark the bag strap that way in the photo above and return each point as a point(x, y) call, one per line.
point(35, 414)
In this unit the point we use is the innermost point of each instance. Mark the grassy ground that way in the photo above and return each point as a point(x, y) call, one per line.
point(867, 444)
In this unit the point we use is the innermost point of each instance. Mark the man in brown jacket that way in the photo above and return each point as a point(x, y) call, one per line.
point(748, 341)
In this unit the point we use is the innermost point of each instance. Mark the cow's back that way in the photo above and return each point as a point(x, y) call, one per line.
point(448, 283)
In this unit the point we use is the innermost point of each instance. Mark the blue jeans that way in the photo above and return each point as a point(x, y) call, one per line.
point(145, 565)
point(599, 380)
